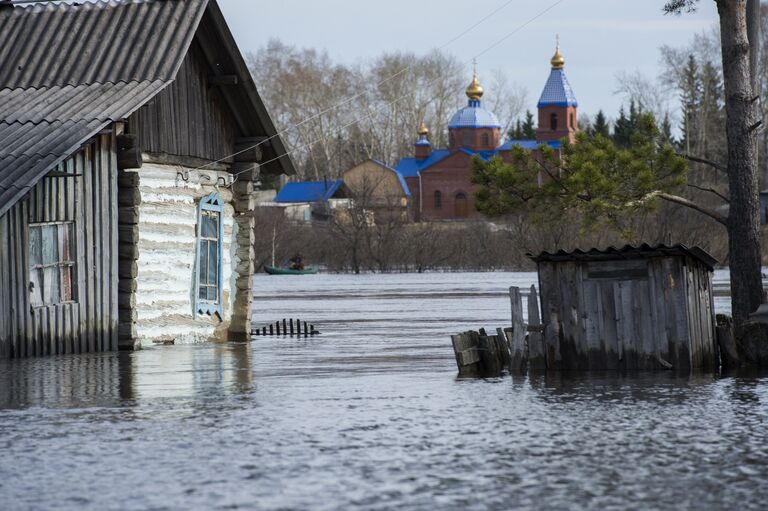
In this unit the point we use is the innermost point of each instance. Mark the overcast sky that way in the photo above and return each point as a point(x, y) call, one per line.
point(599, 38)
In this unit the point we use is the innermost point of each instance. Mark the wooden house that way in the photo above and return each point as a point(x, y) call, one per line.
point(130, 134)
point(644, 307)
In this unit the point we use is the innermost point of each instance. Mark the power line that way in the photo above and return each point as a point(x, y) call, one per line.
point(350, 99)
point(370, 115)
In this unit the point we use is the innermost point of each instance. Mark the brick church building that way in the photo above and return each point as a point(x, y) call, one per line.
point(439, 178)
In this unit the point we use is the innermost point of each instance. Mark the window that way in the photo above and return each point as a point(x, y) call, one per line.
point(573, 121)
point(51, 263)
point(484, 139)
point(209, 222)
point(553, 122)
point(467, 139)
point(438, 199)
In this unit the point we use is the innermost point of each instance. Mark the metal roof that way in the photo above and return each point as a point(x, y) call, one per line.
point(628, 252)
point(473, 116)
point(69, 70)
point(410, 167)
point(308, 191)
point(557, 91)
point(399, 176)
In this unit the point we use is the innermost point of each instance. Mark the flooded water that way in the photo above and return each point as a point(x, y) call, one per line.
point(370, 415)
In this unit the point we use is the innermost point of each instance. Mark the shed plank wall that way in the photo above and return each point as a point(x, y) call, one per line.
point(599, 318)
point(88, 199)
point(189, 117)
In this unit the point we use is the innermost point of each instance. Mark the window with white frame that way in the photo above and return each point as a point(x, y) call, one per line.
point(51, 263)
point(209, 252)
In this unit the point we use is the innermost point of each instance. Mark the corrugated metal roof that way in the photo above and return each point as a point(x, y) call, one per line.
point(308, 191)
point(473, 116)
point(528, 144)
point(69, 70)
point(557, 91)
point(399, 176)
point(628, 252)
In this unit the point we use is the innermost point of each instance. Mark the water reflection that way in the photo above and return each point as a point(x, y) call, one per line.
point(120, 379)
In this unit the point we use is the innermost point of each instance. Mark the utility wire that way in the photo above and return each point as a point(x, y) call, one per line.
point(370, 115)
point(350, 99)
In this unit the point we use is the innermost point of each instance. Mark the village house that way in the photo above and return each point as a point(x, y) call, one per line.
point(439, 178)
point(125, 219)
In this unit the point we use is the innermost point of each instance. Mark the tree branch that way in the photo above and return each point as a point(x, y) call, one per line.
point(710, 190)
point(704, 161)
point(689, 204)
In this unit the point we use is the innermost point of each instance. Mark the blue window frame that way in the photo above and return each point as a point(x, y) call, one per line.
point(208, 258)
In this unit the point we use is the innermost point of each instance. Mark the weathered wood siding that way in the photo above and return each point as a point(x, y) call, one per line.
point(86, 197)
point(189, 117)
point(632, 314)
point(165, 285)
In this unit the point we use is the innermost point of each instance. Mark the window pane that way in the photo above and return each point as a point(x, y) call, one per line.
point(35, 246)
point(66, 283)
point(36, 287)
point(202, 293)
point(50, 245)
point(64, 244)
point(203, 269)
point(51, 293)
point(212, 293)
point(213, 261)
point(210, 224)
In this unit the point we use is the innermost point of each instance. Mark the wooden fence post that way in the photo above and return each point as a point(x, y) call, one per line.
point(517, 342)
point(536, 353)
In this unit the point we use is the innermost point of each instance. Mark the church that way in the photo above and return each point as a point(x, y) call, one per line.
point(439, 178)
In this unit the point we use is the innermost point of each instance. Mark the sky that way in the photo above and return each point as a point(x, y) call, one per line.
point(599, 38)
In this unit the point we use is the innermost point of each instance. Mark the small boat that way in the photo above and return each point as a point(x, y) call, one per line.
point(289, 271)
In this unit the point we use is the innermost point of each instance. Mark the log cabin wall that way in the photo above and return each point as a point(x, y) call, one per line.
point(77, 201)
point(189, 118)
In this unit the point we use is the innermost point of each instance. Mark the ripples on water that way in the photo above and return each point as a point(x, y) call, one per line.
point(370, 415)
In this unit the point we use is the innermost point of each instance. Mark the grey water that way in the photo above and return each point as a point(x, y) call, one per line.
point(370, 415)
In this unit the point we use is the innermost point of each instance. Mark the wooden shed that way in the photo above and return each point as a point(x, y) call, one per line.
point(130, 135)
point(643, 307)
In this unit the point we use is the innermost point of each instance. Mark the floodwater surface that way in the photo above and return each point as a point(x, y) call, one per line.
point(370, 415)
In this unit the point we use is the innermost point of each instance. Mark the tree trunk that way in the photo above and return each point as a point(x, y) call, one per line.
point(741, 116)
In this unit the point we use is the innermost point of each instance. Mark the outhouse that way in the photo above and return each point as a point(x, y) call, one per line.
point(637, 307)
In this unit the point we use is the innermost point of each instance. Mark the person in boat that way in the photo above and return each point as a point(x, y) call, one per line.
point(295, 263)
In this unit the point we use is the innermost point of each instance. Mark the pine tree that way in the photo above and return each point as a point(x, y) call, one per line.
point(690, 102)
point(665, 131)
point(529, 130)
point(516, 133)
point(600, 126)
point(622, 129)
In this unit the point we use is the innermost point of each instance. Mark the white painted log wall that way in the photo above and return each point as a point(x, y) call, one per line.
point(167, 244)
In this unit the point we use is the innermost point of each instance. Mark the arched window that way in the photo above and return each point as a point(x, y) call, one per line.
point(484, 140)
point(438, 199)
point(450, 139)
point(460, 208)
point(553, 121)
point(209, 251)
point(466, 139)
point(573, 121)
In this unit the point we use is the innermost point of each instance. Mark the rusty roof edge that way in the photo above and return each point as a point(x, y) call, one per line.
point(627, 252)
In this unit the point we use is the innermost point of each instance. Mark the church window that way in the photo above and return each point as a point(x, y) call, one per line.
point(573, 121)
point(553, 121)
point(484, 140)
point(438, 199)
point(467, 139)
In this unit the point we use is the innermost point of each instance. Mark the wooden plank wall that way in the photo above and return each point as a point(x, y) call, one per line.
point(89, 198)
point(614, 318)
point(187, 118)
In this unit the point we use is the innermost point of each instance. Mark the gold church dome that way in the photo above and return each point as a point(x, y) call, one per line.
point(557, 59)
point(423, 130)
point(475, 90)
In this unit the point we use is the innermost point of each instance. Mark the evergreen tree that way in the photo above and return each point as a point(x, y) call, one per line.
point(690, 104)
point(529, 130)
point(600, 126)
point(516, 133)
point(665, 131)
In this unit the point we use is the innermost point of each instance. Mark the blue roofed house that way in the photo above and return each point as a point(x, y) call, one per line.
point(309, 200)
point(439, 178)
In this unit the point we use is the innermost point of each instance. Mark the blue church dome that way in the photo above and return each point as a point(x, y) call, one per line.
point(473, 116)
point(557, 91)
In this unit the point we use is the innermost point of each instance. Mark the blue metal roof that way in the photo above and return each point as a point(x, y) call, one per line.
point(557, 91)
point(400, 177)
point(473, 116)
point(410, 167)
point(528, 144)
point(308, 191)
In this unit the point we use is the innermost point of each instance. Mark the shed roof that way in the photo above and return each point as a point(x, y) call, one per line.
point(308, 191)
point(69, 70)
point(643, 251)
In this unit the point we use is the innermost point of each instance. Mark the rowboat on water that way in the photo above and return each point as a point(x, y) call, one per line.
point(289, 271)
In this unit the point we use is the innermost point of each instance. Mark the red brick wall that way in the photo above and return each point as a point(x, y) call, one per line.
point(449, 177)
point(475, 138)
point(565, 128)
